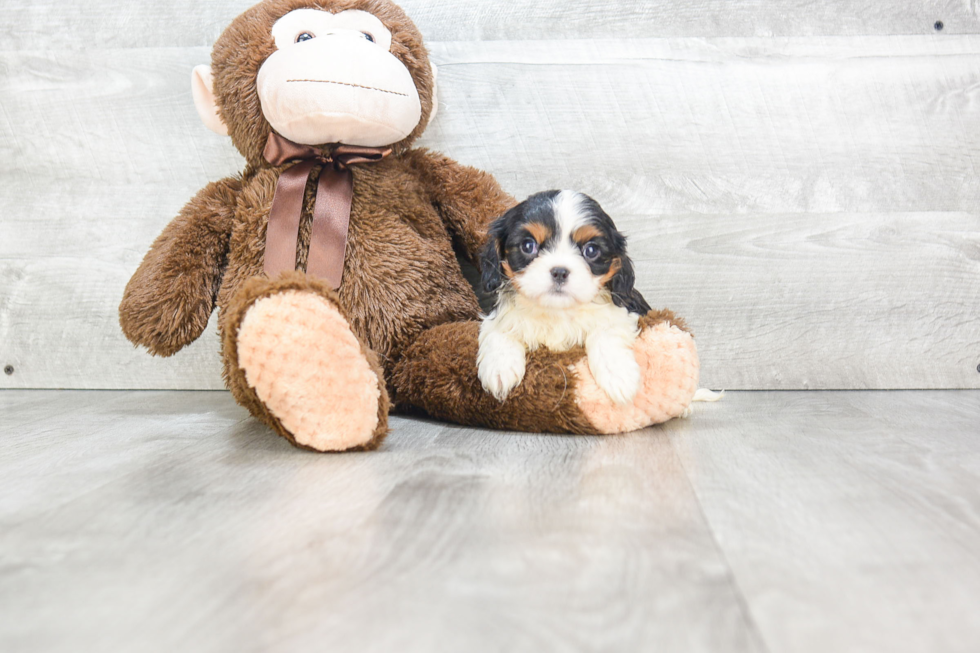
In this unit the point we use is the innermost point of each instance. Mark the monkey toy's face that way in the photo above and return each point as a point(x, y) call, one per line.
point(320, 76)
point(332, 79)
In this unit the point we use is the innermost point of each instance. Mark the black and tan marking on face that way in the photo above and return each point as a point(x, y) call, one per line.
point(603, 247)
point(598, 240)
point(530, 231)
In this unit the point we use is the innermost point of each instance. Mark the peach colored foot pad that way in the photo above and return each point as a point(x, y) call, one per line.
point(668, 358)
point(305, 364)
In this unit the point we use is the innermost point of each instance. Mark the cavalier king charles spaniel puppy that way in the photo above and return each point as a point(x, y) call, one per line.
point(562, 278)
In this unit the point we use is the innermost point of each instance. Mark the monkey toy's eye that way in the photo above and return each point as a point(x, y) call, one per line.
point(529, 246)
point(305, 36)
point(591, 252)
point(368, 37)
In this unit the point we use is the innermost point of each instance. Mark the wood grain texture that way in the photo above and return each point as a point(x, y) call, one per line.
point(850, 520)
point(820, 301)
point(30, 25)
point(727, 126)
point(809, 204)
point(89, 182)
point(159, 522)
point(800, 522)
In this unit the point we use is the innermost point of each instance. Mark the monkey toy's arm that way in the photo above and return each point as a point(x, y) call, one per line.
point(467, 199)
point(168, 301)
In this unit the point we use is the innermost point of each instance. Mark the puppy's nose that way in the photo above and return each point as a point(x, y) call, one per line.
point(560, 275)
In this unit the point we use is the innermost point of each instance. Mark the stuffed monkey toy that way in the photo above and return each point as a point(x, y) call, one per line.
point(331, 257)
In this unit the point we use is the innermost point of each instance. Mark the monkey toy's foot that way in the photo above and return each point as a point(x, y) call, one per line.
point(669, 367)
point(317, 384)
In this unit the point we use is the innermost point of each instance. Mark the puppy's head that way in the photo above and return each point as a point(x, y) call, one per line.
point(558, 249)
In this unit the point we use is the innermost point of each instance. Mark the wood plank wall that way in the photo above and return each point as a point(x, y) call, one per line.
point(798, 178)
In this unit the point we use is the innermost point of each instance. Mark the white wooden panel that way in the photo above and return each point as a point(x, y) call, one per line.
point(39, 24)
point(818, 301)
point(722, 126)
point(813, 186)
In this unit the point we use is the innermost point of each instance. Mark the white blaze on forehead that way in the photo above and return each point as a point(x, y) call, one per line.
point(321, 23)
point(569, 214)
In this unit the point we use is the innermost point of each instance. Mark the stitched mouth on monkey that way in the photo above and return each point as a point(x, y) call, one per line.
point(330, 81)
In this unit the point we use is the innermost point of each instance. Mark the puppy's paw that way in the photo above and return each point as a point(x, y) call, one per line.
point(615, 370)
point(500, 365)
point(668, 358)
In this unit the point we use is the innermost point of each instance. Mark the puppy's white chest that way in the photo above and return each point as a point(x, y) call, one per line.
point(557, 333)
point(560, 330)
point(607, 331)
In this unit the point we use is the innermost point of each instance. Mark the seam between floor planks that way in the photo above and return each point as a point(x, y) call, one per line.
point(746, 608)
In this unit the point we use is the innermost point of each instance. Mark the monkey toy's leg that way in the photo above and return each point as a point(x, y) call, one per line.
point(438, 375)
point(293, 361)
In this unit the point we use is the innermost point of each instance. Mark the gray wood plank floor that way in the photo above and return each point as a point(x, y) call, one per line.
point(798, 522)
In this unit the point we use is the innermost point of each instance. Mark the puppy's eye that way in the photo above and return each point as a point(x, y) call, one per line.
point(305, 36)
point(368, 36)
point(529, 246)
point(591, 252)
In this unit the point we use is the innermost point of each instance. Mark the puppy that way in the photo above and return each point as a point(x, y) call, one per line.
point(562, 278)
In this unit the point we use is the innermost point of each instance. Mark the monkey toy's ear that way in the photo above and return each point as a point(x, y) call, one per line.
point(435, 92)
point(202, 87)
point(490, 263)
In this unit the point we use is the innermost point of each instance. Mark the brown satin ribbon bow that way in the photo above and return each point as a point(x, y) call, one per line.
point(331, 212)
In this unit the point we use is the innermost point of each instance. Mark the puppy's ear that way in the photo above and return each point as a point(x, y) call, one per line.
point(491, 264)
point(623, 292)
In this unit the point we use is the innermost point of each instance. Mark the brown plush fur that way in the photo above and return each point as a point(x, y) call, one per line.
point(544, 402)
point(403, 292)
point(655, 317)
point(459, 396)
point(186, 262)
